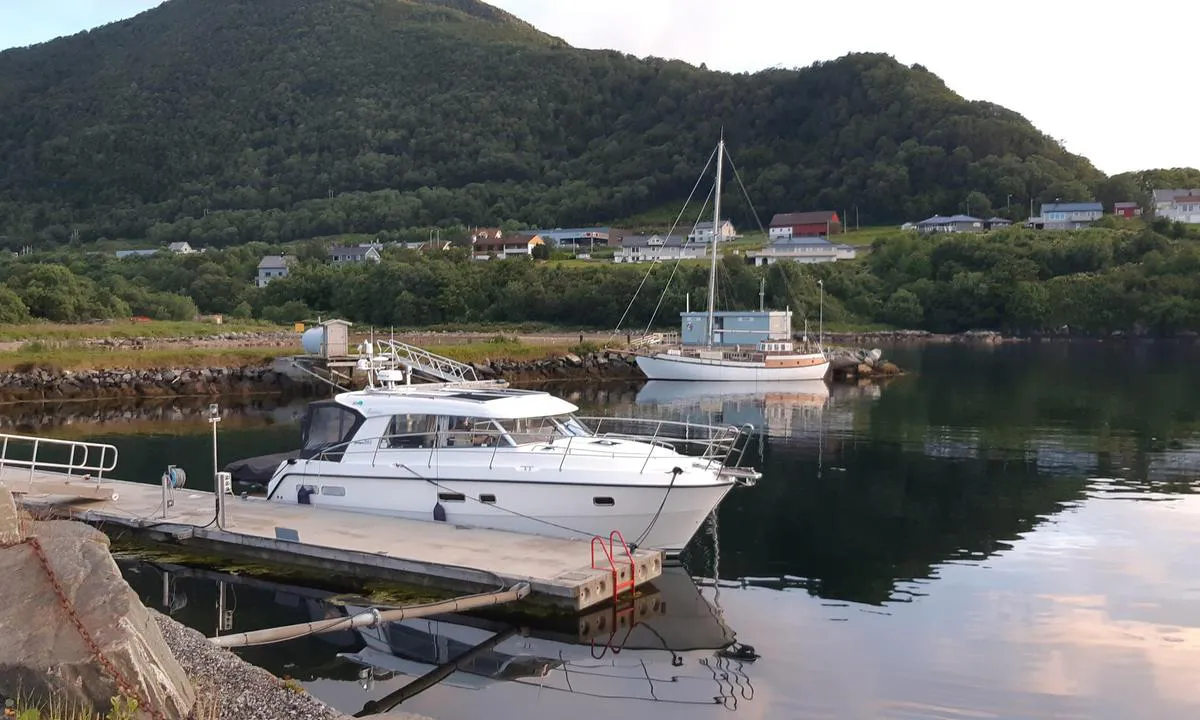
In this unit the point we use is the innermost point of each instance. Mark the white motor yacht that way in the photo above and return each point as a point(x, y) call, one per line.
point(486, 456)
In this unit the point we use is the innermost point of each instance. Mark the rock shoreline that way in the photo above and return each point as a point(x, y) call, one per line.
point(42, 384)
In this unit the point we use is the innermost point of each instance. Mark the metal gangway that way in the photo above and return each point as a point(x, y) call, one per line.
point(418, 361)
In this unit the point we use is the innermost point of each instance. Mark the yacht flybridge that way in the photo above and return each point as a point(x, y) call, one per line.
point(482, 455)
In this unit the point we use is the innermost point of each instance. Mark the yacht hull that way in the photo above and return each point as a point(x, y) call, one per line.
point(575, 510)
point(663, 366)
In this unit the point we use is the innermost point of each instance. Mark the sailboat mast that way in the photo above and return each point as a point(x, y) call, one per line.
point(716, 229)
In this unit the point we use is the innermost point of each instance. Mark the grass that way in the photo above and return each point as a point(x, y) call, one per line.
point(126, 329)
point(865, 236)
point(499, 349)
point(37, 356)
point(123, 708)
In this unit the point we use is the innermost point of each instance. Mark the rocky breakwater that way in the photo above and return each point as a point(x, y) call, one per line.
point(599, 364)
point(218, 340)
point(903, 337)
point(50, 384)
point(856, 364)
point(75, 634)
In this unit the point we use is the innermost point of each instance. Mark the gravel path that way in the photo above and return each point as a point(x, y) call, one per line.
point(245, 692)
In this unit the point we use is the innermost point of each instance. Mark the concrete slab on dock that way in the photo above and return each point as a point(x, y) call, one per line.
point(429, 553)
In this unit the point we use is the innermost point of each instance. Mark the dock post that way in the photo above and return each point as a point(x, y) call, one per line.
point(214, 417)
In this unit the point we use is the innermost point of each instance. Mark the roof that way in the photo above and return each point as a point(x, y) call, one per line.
point(804, 218)
point(1125, 205)
point(134, 253)
point(630, 241)
point(800, 240)
point(275, 261)
point(558, 233)
point(340, 250)
point(949, 220)
point(707, 224)
point(500, 403)
point(1173, 194)
point(1072, 207)
point(994, 220)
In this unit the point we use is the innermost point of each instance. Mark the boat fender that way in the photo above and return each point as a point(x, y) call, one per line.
point(439, 512)
point(302, 495)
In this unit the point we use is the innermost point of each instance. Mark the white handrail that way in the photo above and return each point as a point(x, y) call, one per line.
point(79, 456)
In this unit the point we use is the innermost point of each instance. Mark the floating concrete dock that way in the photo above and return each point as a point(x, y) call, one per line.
point(429, 553)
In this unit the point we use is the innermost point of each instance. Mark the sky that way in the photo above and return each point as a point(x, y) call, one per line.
point(1113, 84)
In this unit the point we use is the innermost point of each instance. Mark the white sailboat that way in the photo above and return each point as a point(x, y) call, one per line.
point(723, 355)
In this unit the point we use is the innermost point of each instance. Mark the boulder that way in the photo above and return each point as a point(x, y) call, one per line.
point(864, 370)
point(46, 657)
point(10, 521)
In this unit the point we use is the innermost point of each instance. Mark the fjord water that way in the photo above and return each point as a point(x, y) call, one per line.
point(1006, 532)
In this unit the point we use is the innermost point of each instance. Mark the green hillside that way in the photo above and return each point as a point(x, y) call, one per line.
point(226, 121)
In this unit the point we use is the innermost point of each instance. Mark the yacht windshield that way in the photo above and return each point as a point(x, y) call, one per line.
point(327, 426)
point(541, 429)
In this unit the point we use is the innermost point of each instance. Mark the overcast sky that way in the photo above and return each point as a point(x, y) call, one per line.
point(1114, 84)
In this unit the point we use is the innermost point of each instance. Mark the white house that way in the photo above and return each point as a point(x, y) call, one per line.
point(362, 253)
point(653, 248)
point(273, 266)
point(950, 224)
point(703, 232)
point(801, 250)
point(181, 248)
point(1180, 205)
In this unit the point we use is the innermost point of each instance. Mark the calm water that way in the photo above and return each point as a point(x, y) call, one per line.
point(1005, 533)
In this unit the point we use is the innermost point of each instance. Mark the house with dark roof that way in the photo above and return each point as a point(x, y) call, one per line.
point(1066, 216)
point(494, 242)
point(341, 254)
point(272, 267)
point(804, 224)
point(950, 224)
point(655, 248)
point(1181, 205)
point(801, 249)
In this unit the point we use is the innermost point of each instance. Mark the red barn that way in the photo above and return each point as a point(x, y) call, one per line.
point(804, 224)
point(1126, 209)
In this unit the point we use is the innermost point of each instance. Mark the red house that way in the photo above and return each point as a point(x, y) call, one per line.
point(1127, 209)
point(804, 224)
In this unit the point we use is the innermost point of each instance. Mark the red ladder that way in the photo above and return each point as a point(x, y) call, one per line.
point(619, 585)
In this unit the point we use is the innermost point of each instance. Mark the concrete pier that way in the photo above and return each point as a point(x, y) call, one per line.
point(429, 553)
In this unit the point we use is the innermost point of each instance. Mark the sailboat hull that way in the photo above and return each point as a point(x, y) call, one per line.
point(664, 366)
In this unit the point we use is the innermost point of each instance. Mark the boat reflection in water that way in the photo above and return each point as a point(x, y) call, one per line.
point(670, 645)
point(776, 408)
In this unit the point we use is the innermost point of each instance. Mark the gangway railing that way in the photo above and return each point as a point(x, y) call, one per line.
point(420, 361)
point(69, 458)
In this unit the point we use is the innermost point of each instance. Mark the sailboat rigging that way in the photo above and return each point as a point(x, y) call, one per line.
point(737, 345)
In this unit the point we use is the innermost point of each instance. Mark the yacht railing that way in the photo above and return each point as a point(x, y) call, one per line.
point(715, 445)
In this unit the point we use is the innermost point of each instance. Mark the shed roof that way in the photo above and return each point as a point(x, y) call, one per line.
point(804, 218)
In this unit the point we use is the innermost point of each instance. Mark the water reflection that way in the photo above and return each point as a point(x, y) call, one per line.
point(670, 645)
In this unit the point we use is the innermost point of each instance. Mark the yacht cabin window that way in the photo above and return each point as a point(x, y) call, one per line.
point(410, 432)
point(328, 427)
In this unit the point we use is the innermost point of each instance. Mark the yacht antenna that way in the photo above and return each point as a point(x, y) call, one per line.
point(712, 274)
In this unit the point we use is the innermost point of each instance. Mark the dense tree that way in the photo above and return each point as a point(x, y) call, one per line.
point(220, 122)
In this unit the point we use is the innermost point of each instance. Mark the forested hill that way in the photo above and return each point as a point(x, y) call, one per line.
point(292, 118)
